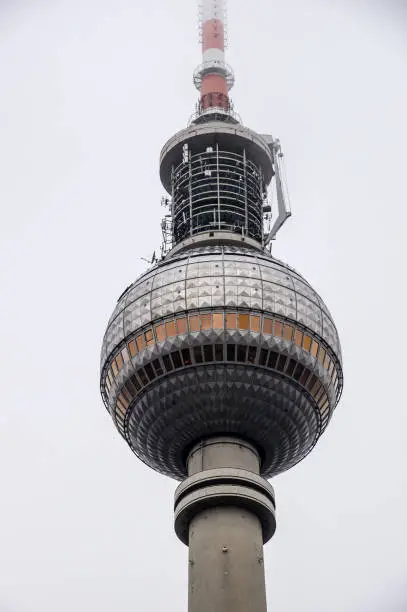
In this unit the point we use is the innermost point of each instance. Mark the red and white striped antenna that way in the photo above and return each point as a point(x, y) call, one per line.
point(213, 78)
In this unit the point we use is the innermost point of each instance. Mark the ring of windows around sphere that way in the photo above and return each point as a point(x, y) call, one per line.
point(194, 323)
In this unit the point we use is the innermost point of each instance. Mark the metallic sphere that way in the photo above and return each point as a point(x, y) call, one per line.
point(215, 340)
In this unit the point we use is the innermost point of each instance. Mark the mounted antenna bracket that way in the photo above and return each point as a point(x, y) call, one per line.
point(283, 202)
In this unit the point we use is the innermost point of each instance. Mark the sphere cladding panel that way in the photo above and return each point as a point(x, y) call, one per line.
point(198, 280)
point(211, 278)
point(260, 407)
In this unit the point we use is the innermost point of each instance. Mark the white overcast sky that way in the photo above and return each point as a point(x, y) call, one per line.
point(90, 90)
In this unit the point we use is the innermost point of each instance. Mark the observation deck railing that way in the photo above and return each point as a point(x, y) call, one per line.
point(217, 190)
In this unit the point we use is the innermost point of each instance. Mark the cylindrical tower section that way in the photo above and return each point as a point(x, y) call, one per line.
point(225, 511)
point(217, 174)
point(213, 78)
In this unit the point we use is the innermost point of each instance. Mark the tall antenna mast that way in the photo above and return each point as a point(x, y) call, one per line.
point(213, 78)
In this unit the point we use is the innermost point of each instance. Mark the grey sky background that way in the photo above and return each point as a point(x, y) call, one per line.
point(90, 90)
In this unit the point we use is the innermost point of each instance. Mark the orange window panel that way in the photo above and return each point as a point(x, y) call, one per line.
point(321, 355)
point(121, 408)
point(140, 342)
point(255, 323)
point(278, 329)
point(307, 343)
point(170, 329)
point(325, 409)
point(119, 362)
point(218, 320)
point(206, 321)
point(231, 320)
point(267, 326)
point(327, 362)
point(115, 368)
point(316, 388)
point(125, 355)
point(159, 333)
point(323, 400)
point(331, 367)
point(123, 400)
point(182, 327)
point(132, 348)
point(126, 395)
point(319, 394)
point(149, 338)
point(298, 338)
point(288, 332)
point(110, 376)
point(243, 321)
point(314, 348)
point(194, 323)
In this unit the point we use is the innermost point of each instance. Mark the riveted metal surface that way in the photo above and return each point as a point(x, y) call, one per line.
point(179, 408)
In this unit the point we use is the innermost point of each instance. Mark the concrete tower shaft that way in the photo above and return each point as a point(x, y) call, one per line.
point(224, 511)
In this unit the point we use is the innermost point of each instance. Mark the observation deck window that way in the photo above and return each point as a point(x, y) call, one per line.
point(246, 322)
point(217, 190)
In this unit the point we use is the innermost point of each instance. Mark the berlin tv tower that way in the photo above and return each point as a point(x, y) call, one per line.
point(221, 366)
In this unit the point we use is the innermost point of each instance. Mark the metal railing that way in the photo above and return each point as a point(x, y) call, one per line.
point(217, 190)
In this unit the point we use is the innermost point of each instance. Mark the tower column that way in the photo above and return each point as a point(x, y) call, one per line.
point(225, 511)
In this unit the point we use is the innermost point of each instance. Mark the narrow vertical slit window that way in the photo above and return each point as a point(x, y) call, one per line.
point(278, 329)
point(170, 329)
point(186, 357)
point(198, 354)
point(288, 332)
point(132, 348)
point(157, 367)
point(298, 338)
point(143, 376)
point(263, 357)
point(243, 321)
point(282, 362)
point(241, 353)
point(149, 371)
point(230, 352)
point(182, 325)
point(160, 333)
point(167, 363)
point(176, 359)
point(231, 320)
point(119, 361)
point(208, 352)
point(135, 382)
point(206, 321)
point(272, 361)
point(268, 326)
point(218, 320)
point(149, 338)
point(194, 323)
point(291, 367)
point(140, 342)
point(321, 355)
point(251, 354)
point(314, 348)
point(255, 323)
point(307, 343)
point(218, 352)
